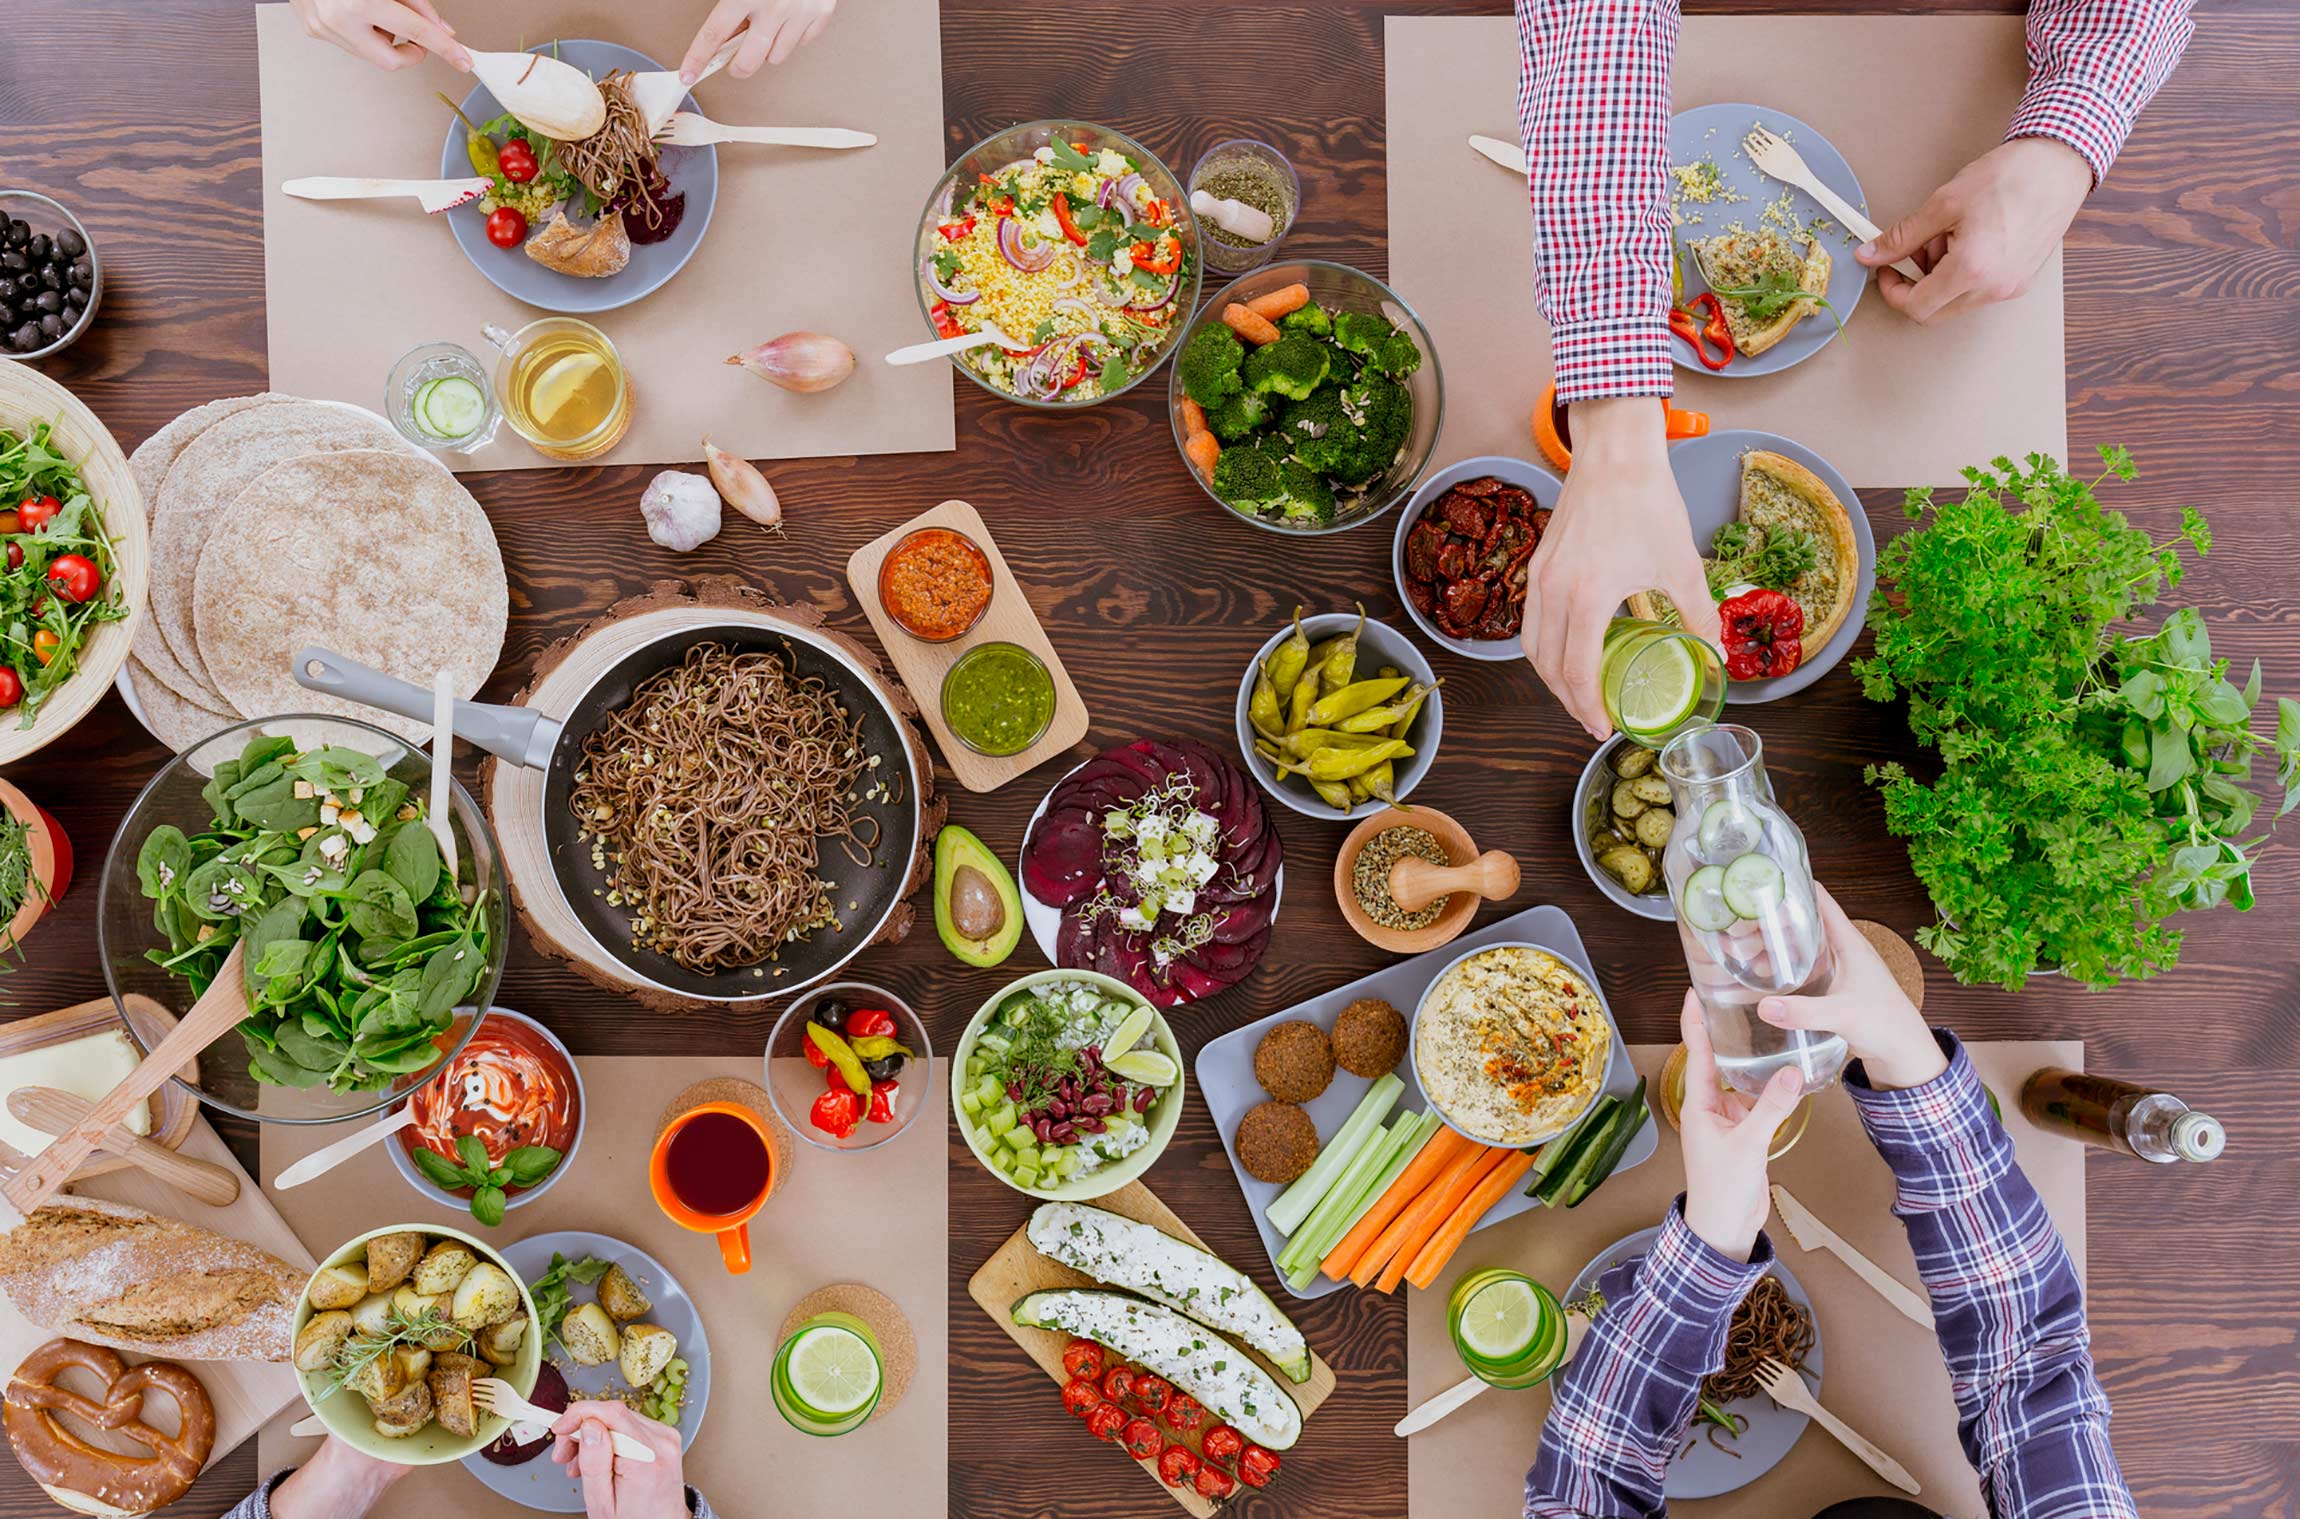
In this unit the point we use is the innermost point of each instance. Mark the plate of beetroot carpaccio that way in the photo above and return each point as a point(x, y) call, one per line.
point(1155, 863)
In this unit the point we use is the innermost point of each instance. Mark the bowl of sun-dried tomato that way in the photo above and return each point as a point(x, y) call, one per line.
point(1463, 546)
point(935, 584)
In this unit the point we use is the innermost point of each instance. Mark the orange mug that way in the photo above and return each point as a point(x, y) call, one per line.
point(713, 1168)
point(1552, 437)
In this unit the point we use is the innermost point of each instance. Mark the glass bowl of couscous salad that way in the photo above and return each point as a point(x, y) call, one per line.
point(1073, 241)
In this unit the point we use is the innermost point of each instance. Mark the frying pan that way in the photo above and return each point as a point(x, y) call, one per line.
point(862, 895)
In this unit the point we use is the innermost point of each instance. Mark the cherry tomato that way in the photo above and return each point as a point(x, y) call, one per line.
point(836, 1113)
point(1081, 1397)
point(1256, 1466)
point(15, 556)
point(11, 687)
point(1082, 1359)
point(34, 512)
point(1222, 1443)
point(506, 228)
point(1142, 1440)
point(517, 161)
point(44, 645)
point(74, 577)
point(882, 1095)
point(815, 1055)
point(1215, 1483)
point(1153, 1392)
point(1117, 1382)
point(1106, 1421)
point(864, 1022)
point(1178, 1466)
point(835, 1079)
point(10, 522)
point(1183, 1414)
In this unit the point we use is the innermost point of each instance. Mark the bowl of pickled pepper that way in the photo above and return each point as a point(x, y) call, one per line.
point(1339, 715)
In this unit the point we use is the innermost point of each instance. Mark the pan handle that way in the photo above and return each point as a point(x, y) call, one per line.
point(518, 734)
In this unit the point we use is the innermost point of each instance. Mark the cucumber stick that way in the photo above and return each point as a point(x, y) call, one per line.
point(1308, 1190)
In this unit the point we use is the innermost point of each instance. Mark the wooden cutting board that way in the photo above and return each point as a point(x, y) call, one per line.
point(1018, 1269)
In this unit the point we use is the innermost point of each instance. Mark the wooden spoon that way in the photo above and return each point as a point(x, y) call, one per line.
point(1416, 882)
point(319, 1162)
point(218, 1011)
point(1576, 1329)
point(548, 96)
point(53, 1111)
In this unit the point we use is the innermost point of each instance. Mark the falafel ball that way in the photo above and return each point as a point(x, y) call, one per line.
point(1276, 1142)
point(1294, 1061)
point(1369, 1037)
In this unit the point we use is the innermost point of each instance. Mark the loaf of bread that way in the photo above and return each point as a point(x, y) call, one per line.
point(115, 1275)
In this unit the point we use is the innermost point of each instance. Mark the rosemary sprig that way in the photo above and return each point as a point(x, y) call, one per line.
point(362, 1351)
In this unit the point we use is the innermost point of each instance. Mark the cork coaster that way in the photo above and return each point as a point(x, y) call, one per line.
point(898, 1347)
point(1899, 958)
point(743, 1094)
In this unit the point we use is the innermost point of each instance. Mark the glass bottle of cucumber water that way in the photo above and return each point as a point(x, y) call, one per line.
point(1743, 889)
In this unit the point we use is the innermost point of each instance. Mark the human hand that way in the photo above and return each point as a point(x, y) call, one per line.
point(1865, 1005)
point(614, 1488)
point(372, 29)
point(1728, 1142)
point(1620, 528)
point(772, 30)
point(1982, 236)
point(338, 1482)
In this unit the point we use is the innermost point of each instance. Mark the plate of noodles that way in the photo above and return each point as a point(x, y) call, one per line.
point(1738, 1433)
point(731, 811)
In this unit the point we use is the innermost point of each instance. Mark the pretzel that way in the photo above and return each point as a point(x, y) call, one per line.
point(68, 1466)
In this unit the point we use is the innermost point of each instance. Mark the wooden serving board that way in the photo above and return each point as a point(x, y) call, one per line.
point(922, 665)
point(173, 1109)
point(1018, 1269)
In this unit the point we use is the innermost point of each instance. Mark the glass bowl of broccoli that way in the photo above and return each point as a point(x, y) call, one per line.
point(1306, 397)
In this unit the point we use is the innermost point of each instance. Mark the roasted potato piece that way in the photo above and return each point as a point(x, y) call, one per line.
point(403, 1413)
point(1654, 826)
point(456, 1360)
point(414, 1362)
point(372, 1315)
point(380, 1377)
point(1629, 865)
point(338, 1286)
point(1652, 790)
point(487, 1296)
point(1625, 800)
point(500, 1342)
point(443, 1267)
point(451, 1402)
point(1632, 760)
point(621, 1297)
point(390, 1257)
point(646, 1350)
point(316, 1346)
point(412, 1305)
point(590, 1336)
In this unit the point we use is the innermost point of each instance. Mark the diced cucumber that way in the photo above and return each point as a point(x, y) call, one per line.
point(1753, 886)
point(972, 1104)
point(993, 1043)
point(986, 1090)
point(1021, 1141)
point(1728, 830)
point(1025, 1174)
point(999, 1120)
point(1002, 1158)
point(1702, 900)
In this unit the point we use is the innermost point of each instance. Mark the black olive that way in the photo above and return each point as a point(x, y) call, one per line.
point(75, 301)
point(8, 287)
point(37, 248)
point(51, 327)
point(70, 243)
point(885, 1068)
point(25, 338)
point(84, 272)
point(47, 300)
point(831, 1013)
point(51, 277)
point(19, 232)
point(13, 261)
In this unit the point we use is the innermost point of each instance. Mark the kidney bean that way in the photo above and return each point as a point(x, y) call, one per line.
point(1061, 1133)
point(1142, 1099)
point(1058, 1109)
point(1095, 1103)
point(1014, 1091)
point(1092, 1125)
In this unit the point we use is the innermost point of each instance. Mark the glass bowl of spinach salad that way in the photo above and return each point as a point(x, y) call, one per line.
point(306, 836)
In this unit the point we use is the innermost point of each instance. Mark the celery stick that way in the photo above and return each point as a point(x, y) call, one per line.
point(1411, 1132)
point(1370, 1162)
point(1294, 1204)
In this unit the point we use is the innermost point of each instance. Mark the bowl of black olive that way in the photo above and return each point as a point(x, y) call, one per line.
point(50, 279)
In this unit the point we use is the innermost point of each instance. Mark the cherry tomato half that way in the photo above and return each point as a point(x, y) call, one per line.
point(1082, 1359)
point(1142, 1440)
point(44, 645)
point(865, 1022)
point(1081, 1397)
point(35, 512)
point(1178, 1466)
point(517, 161)
point(1222, 1443)
point(1106, 1421)
point(836, 1113)
point(506, 228)
point(75, 577)
point(1153, 1392)
point(11, 687)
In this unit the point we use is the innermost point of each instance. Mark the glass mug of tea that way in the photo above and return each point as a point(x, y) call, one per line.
point(562, 386)
point(712, 1170)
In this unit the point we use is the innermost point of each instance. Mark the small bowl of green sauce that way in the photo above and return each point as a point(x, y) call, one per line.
point(998, 699)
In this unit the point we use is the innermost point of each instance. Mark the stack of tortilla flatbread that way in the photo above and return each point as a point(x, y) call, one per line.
point(279, 524)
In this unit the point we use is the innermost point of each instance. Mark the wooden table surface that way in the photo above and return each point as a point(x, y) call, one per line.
point(2183, 285)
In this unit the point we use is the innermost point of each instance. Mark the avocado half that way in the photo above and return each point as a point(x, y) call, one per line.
point(977, 909)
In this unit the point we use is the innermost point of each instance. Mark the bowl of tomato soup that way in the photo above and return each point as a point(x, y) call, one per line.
point(513, 1085)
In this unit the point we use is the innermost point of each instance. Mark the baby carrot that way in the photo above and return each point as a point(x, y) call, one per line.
point(1443, 1146)
point(1457, 1225)
point(1193, 418)
point(1450, 1193)
point(1249, 324)
point(1203, 450)
point(1278, 302)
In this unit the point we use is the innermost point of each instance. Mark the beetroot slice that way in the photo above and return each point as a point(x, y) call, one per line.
point(550, 1392)
point(1062, 861)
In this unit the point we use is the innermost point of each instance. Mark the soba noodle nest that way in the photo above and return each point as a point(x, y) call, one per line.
point(1769, 1323)
point(707, 798)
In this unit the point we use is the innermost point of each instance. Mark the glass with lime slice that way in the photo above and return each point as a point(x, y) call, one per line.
point(827, 1375)
point(1507, 1327)
point(1657, 680)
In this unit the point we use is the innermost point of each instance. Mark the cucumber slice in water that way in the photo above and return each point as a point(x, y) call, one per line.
point(1729, 830)
point(451, 407)
point(1702, 900)
point(1753, 886)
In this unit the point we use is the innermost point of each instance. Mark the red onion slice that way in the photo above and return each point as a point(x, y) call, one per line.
point(949, 293)
point(1028, 260)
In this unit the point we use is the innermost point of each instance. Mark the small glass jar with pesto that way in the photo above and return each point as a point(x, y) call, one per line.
point(998, 699)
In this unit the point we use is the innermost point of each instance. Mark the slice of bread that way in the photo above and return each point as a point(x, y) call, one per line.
point(1739, 259)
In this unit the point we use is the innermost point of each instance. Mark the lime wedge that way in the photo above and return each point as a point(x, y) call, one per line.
point(1498, 1323)
point(1148, 1067)
point(832, 1370)
point(1660, 688)
point(1130, 1031)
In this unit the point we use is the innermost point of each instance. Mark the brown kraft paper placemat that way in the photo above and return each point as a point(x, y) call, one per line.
point(1908, 100)
point(799, 240)
point(881, 1218)
point(1884, 1375)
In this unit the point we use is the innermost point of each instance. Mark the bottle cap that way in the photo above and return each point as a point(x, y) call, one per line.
point(2198, 1136)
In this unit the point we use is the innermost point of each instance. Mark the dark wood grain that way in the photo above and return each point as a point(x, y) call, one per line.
point(2183, 331)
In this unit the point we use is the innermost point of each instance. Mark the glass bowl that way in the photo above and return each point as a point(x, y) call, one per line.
point(976, 655)
point(974, 555)
point(1337, 287)
point(46, 216)
point(794, 1082)
point(1236, 258)
point(124, 924)
point(1002, 149)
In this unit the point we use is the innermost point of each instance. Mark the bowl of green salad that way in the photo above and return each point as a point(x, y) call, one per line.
point(1067, 1084)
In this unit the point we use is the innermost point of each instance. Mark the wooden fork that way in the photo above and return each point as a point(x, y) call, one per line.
point(1788, 1389)
point(497, 1397)
point(1773, 154)
point(691, 129)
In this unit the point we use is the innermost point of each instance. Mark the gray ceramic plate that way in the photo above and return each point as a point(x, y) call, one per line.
point(693, 172)
point(1704, 1471)
point(1708, 472)
point(1226, 1065)
point(1715, 132)
point(540, 1483)
point(1545, 488)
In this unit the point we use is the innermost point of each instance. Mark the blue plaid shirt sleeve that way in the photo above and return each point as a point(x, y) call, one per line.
point(1618, 1413)
point(2006, 1301)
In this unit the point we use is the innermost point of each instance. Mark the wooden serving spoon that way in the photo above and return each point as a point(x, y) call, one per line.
point(219, 1010)
point(1576, 1330)
point(546, 95)
point(53, 1111)
point(1416, 882)
point(319, 1162)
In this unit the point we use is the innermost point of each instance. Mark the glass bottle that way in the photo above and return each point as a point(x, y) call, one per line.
point(1742, 887)
point(2123, 1116)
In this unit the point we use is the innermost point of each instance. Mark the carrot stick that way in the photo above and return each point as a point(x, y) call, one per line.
point(1277, 303)
point(1457, 1225)
point(1449, 1196)
point(1203, 450)
point(1443, 1146)
point(1193, 418)
point(1249, 324)
point(1386, 1243)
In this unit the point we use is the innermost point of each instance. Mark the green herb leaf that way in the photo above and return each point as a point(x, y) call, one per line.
point(438, 1169)
point(1068, 157)
point(487, 1205)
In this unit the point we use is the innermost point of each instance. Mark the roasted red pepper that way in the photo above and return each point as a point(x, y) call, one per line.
point(1764, 635)
point(1062, 220)
point(836, 1113)
point(953, 231)
point(1699, 333)
point(945, 325)
point(1164, 259)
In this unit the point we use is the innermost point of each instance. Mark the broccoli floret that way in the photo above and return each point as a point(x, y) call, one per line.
point(1292, 366)
point(1315, 429)
point(1380, 413)
point(1398, 356)
point(1311, 319)
point(1239, 414)
point(1210, 364)
point(1247, 478)
point(1361, 332)
point(1303, 497)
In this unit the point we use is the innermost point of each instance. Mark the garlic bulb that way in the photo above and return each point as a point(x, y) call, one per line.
point(682, 510)
point(745, 489)
point(802, 361)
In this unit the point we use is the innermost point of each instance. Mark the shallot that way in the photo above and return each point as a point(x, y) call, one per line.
point(745, 489)
point(682, 510)
point(802, 361)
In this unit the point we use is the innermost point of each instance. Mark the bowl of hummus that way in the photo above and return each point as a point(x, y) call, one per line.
point(1510, 1044)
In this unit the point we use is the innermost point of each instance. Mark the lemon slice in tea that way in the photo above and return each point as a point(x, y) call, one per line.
point(1660, 688)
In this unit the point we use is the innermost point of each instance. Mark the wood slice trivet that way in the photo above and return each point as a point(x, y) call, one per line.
point(1899, 957)
point(898, 1347)
point(565, 670)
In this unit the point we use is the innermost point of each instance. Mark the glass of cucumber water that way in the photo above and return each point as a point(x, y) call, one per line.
point(439, 398)
point(1747, 915)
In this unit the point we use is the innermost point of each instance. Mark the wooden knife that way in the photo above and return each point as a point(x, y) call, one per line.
point(434, 195)
point(1811, 1234)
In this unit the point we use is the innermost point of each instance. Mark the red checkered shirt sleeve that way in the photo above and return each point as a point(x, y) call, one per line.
point(1593, 105)
point(1621, 1409)
point(2092, 65)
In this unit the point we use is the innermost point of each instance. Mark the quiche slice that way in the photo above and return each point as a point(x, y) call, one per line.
point(1739, 260)
point(1777, 492)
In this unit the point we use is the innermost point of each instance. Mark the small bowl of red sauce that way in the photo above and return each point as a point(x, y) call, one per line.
point(935, 584)
point(513, 1085)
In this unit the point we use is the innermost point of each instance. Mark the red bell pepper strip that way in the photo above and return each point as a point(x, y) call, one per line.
point(1146, 258)
point(945, 325)
point(1699, 334)
point(953, 231)
point(1062, 219)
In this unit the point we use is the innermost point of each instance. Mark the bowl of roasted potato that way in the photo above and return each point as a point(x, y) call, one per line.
point(1621, 821)
point(394, 1330)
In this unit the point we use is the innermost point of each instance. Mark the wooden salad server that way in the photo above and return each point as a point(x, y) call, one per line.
point(434, 195)
point(218, 1012)
point(1507, 154)
point(1576, 1329)
point(692, 129)
point(657, 92)
point(1788, 1389)
point(1806, 1228)
point(53, 1112)
point(325, 1159)
point(547, 95)
point(1416, 882)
